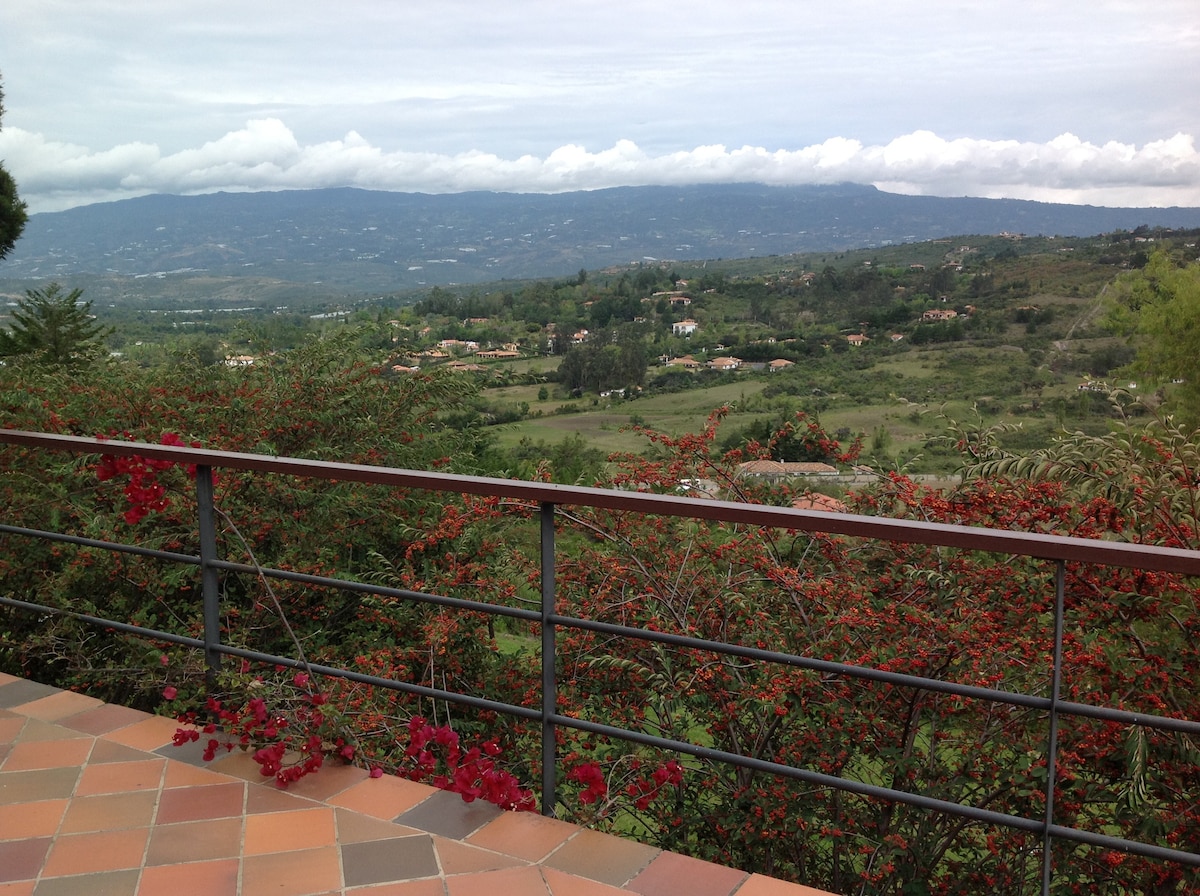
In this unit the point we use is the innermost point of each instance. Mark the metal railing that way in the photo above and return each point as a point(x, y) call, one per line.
point(548, 497)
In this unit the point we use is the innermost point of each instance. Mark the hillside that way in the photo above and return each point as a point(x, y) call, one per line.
point(340, 241)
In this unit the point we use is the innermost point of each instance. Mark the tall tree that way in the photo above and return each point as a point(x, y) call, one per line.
point(12, 209)
point(53, 328)
point(1160, 304)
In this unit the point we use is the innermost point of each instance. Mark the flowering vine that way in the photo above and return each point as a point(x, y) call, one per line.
point(144, 494)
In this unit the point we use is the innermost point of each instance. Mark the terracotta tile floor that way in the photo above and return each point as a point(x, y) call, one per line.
point(94, 800)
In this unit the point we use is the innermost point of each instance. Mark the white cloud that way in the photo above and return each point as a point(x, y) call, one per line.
point(266, 155)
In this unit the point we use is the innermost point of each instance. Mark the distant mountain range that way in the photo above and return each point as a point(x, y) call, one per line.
point(359, 240)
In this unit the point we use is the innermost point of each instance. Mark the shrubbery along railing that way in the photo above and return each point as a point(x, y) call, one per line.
point(548, 497)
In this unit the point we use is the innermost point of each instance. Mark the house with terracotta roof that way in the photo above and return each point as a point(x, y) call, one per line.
point(857, 339)
point(684, 327)
point(780, 364)
point(725, 363)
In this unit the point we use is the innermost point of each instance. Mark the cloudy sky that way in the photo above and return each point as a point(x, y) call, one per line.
point(1085, 101)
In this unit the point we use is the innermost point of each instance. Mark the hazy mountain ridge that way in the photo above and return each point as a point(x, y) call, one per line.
point(371, 240)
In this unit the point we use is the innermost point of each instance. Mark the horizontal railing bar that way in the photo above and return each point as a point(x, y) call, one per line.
point(1149, 850)
point(1029, 544)
point(901, 679)
point(382, 590)
point(150, 634)
point(811, 777)
point(390, 684)
point(114, 546)
point(916, 800)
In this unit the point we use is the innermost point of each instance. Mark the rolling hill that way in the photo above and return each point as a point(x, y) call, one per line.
point(357, 241)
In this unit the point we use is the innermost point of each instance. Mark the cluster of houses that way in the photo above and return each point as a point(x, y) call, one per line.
point(451, 352)
point(726, 363)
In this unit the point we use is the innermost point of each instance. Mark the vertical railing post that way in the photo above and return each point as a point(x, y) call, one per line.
point(1052, 745)
point(549, 679)
point(209, 582)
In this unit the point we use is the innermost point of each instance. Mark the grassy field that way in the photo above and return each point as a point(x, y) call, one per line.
point(1033, 334)
point(605, 423)
point(900, 404)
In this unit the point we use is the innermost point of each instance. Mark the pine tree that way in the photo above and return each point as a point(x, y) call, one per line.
point(53, 327)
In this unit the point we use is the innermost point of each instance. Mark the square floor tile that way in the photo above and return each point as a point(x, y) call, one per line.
point(447, 814)
point(94, 852)
point(217, 878)
point(509, 882)
point(106, 751)
point(121, 777)
point(149, 734)
point(523, 834)
point(107, 883)
point(21, 691)
point(602, 857)
point(195, 841)
point(302, 873)
point(385, 861)
point(48, 754)
point(199, 803)
point(38, 819)
point(180, 774)
point(261, 798)
point(59, 705)
point(671, 874)
point(385, 797)
point(22, 859)
point(287, 831)
point(355, 828)
point(103, 719)
point(457, 857)
point(109, 812)
point(41, 784)
point(41, 730)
